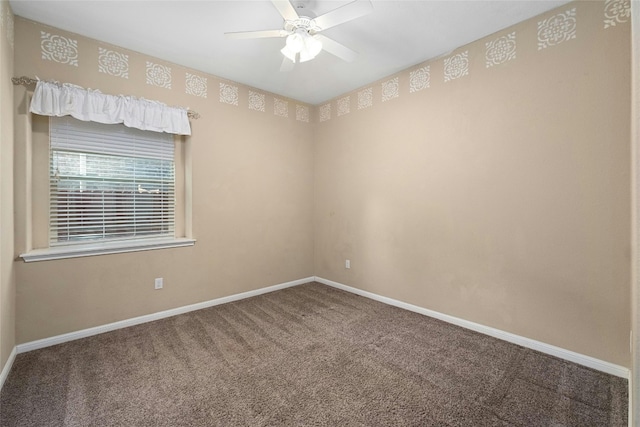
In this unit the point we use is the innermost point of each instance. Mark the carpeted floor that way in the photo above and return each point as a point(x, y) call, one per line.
point(309, 355)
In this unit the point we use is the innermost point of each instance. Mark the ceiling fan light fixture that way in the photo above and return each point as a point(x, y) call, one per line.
point(303, 43)
point(295, 41)
point(312, 45)
point(290, 54)
point(311, 50)
point(304, 56)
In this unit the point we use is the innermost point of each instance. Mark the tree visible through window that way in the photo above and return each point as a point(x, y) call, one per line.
point(109, 182)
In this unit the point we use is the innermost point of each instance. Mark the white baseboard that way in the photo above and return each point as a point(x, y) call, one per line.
point(581, 359)
point(7, 367)
point(59, 339)
point(571, 356)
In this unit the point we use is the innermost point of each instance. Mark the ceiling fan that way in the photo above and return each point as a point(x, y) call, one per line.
point(303, 42)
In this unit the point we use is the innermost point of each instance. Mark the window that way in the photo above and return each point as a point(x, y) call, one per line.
point(93, 189)
point(109, 183)
point(88, 188)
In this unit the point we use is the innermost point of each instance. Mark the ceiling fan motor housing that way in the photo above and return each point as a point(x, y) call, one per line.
point(303, 22)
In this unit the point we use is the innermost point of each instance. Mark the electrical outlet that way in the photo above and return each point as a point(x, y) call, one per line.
point(347, 264)
point(159, 283)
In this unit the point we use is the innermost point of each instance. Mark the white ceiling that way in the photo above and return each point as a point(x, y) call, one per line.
point(395, 36)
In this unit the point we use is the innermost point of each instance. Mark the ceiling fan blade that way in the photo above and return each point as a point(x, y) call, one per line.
point(287, 65)
point(286, 9)
point(345, 13)
point(256, 34)
point(337, 49)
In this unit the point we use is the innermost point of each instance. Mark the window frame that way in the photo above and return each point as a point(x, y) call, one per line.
point(35, 235)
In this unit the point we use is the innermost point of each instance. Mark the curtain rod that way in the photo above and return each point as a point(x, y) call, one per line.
point(26, 81)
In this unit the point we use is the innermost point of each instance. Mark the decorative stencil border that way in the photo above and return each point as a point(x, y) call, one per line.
point(302, 113)
point(616, 12)
point(325, 112)
point(8, 21)
point(58, 48)
point(419, 79)
point(280, 107)
point(500, 50)
point(118, 63)
point(113, 63)
point(228, 94)
point(552, 30)
point(390, 89)
point(344, 105)
point(158, 75)
point(256, 101)
point(365, 98)
point(456, 66)
point(195, 85)
point(557, 29)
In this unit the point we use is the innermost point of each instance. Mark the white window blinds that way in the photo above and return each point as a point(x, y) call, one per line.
point(109, 182)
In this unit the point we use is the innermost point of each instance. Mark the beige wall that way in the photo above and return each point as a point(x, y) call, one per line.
point(252, 215)
point(635, 254)
point(7, 277)
point(500, 197)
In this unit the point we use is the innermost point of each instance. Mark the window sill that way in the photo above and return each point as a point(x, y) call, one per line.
point(105, 248)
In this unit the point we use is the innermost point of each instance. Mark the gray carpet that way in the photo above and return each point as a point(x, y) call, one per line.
point(304, 356)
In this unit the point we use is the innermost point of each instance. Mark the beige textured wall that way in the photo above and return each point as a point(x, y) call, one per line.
point(635, 254)
point(500, 197)
point(7, 277)
point(252, 204)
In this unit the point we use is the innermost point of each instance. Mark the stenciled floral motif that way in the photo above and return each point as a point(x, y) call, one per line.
point(616, 12)
point(419, 79)
point(280, 107)
point(501, 50)
point(302, 113)
point(256, 101)
point(9, 23)
point(325, 112)
point(557, 29)
point(58, 48)
point(195, 85)
point(390, 89)
point(344, 105)
point(228, 94)
point(158, 75)
point(113, 63)
point(365, 98)
point(456, 66)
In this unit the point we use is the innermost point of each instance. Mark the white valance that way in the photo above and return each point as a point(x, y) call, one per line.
point(56, 99)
